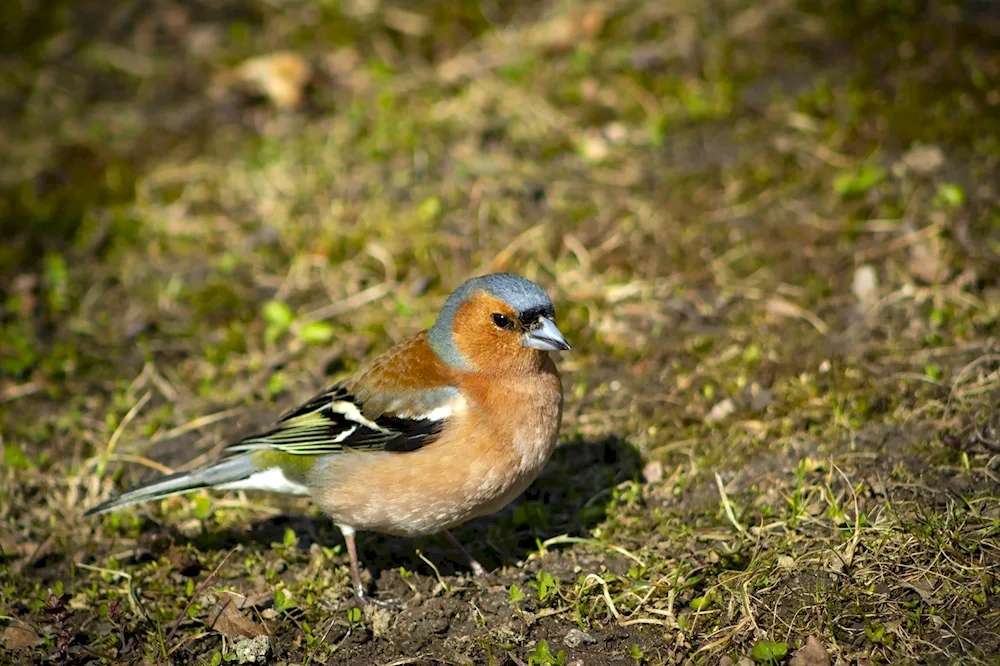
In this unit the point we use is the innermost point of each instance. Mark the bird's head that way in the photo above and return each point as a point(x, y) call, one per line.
point(497, 324)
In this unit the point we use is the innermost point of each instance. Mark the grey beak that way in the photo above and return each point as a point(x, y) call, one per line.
point(546, 337)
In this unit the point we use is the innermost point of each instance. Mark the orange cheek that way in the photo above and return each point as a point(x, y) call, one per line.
point(484, 345)
point(483, 348)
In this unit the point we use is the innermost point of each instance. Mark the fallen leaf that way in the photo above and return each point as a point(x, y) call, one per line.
point(786, 562)
point(406, 22)
point(568, 30)
point(721, 410)
point(926, 591)
point(19, 638)
point(812, 653)
point(653, 471)
point(229, 620)
point(923, 158)
point(344, 66)
point(927, 262)
point(893, 626)
point(280, 76)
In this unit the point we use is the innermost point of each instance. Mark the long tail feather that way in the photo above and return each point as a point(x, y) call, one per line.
point(228, 471)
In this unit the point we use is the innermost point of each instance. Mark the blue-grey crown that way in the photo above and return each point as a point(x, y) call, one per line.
point(528, 299)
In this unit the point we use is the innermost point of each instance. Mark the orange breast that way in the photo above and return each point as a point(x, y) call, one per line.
point(493, 447)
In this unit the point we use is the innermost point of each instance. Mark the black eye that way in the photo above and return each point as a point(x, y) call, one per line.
point(502, 321)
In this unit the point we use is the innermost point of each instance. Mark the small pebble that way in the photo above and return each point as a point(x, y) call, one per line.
point(865, 287)
point(653, 471)
point(720, 411)
point(575, 638)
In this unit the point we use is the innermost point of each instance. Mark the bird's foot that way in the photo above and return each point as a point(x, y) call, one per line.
point(478, 570)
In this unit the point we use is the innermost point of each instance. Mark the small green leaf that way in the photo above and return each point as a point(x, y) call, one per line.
point(858, 182)
point(276, 384)
point(289, 539)
point(515, 594)
point(202, 507)
point(277, 313)
point(541, 656)
point(282, 601)
point(216, 658)
point(354, 615)
point(226, 263)
point(279, 318)
point(14, 457)
point(316, 333)
point(769, 652)
point(949, 195)
point(635, 652)
point(636, 571)
point(429, 209)
point(20, 355)
point(546, 585)
point(56, 274)
point(879, 635)
point(700, 603)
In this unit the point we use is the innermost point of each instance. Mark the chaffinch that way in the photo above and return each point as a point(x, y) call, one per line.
point(448, 425)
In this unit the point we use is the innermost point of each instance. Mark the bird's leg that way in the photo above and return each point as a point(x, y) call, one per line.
point(360, 599)
point(352, 553)
point(477, 568)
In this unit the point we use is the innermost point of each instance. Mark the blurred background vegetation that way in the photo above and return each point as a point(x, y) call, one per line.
point(771, 230)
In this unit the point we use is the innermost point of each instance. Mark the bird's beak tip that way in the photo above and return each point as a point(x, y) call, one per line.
point(546, 337)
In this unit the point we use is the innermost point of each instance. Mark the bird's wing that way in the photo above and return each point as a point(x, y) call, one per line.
point(335, 420)
point(400, 402)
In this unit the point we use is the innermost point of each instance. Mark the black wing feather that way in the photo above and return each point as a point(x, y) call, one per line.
point(324, 425)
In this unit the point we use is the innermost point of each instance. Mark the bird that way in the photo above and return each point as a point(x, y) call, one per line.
point(448, 425)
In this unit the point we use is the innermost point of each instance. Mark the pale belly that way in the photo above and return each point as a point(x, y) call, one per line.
point(426, 491)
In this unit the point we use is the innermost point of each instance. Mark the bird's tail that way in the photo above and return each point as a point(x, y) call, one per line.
point(222, 473)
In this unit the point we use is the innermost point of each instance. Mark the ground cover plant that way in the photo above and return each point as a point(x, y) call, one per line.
point(771, 232)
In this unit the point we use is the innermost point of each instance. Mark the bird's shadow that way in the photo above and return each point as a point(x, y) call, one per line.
point(570, 497)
